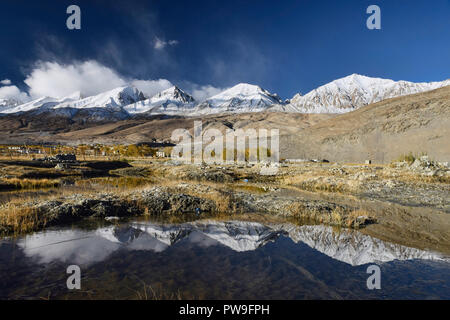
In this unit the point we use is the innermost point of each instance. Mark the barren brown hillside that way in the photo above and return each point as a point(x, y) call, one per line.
point(381, 132)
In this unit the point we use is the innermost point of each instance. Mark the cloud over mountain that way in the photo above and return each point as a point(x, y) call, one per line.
point(14, 93)
point(58, 80)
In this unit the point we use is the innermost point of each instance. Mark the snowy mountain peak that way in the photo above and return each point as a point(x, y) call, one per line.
point(339, 96)
point(114, 98)
point(355, 91)
point(245, 91)
point(42, 102)
point(173, 94)
point(170, 101)
point(243, 97)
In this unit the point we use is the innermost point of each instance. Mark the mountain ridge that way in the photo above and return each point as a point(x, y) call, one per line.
point(339, 96)
point(353, 92)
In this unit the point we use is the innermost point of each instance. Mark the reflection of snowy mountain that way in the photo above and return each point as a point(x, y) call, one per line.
point(353, 247)
point(347, 246)
point(238, 236)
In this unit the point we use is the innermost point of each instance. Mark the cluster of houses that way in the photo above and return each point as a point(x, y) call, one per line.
point(24, 150)
point(82, 150)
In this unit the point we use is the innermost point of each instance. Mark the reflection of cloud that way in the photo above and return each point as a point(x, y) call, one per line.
point(201, 239)
point(148, 243)
point(132, 238)
point(69, 246)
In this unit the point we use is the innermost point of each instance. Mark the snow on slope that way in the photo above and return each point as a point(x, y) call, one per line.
point(104, 106)
point(170, 101)
point(117, 97)
point(339, 96)
point(352, 92)
point(43, 102)
point(9, 103)
point(240, 98)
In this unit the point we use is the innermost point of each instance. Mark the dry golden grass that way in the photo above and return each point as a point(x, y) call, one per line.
point(411, 177)
point(19, 215)
point(249, 188)
point(338, 217)
point(18, 219)
point(316, 183)
point(112, 183)
point(319, 179)
point(22, 184)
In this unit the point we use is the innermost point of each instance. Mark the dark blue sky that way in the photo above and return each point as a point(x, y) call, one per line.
point(283, 46)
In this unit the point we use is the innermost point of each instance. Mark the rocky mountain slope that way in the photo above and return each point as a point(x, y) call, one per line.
point(240, 98)
point(171, 101)
point(353, 92)
point(382, 131)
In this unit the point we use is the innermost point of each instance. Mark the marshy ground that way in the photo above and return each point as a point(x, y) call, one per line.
point(404, 202)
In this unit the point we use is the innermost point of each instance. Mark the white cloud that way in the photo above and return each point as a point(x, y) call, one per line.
point(12, 92)
point(152, 87)
point(201, 93)
point(5, 82)
point(90, 78)
point(56, 80)
point(161, 44)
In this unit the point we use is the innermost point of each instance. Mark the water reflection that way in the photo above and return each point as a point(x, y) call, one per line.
point(88, 247)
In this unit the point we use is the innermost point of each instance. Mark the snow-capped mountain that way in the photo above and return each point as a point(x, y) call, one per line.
point(43, 102)
point(104, 106)
point(352, 92)
point(339, 96)
point(9, 103)
point(240, 98)
point(170, 101)
point(118, 97)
